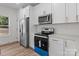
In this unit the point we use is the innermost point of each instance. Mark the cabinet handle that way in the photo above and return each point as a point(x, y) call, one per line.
point(77, 18)
point(55, 40)
point(65, 44)
point(75, 53)
point(66, 19)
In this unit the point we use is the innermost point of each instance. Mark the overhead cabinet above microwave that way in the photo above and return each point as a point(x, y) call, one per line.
point(46, 19)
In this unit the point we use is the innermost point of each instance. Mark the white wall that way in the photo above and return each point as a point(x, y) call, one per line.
point(32, 28)
point(13, 25)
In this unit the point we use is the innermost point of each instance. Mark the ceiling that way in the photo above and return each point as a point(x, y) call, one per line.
point(17, 5)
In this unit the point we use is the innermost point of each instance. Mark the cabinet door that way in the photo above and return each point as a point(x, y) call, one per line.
point(71, 12)
point(43, 9)
point(70, 48)
point(21, 14)
point(26, 11)
point(59, 12)
point(56, 47)
point(46, 8)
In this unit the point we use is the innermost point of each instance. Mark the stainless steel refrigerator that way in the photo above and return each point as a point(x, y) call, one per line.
point(24, 32)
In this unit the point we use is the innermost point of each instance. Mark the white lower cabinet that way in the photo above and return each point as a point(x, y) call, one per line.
point(70, 52)
point(56, 47)
point(70, 48)
point(60, 47)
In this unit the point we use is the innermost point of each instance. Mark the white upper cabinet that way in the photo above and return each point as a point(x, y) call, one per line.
point(26, 11)
point(71, 12)
point(20, 13)
point(43, 9)
point(58, 12)
point(64, 12)
point(61, 12)
point(46, 8)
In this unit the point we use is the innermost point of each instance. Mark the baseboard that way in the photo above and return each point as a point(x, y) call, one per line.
point(9, 43)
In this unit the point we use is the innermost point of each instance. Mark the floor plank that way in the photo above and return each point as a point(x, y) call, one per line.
point(16, 50)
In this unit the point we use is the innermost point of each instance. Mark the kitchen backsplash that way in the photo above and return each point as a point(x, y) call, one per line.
point(71, 29)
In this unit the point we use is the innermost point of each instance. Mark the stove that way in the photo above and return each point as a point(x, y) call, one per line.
point(41, 42)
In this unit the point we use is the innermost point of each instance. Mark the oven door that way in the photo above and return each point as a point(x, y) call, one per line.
point(41, 45)
point(44, 44)
point(37, 42)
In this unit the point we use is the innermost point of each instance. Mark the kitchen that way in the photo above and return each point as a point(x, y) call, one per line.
point(64, 40)
point(49, 29)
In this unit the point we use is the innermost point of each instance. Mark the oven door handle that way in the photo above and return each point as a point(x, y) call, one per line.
point(41, 36)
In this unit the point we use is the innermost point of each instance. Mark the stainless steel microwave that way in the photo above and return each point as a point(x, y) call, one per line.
point(46, 19)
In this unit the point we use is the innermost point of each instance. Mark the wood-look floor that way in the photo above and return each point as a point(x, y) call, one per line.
point(16, 50)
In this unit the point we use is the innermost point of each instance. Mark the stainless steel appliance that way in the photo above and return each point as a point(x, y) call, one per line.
point(41, 42)
point(46, 19)
point(24, 32)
